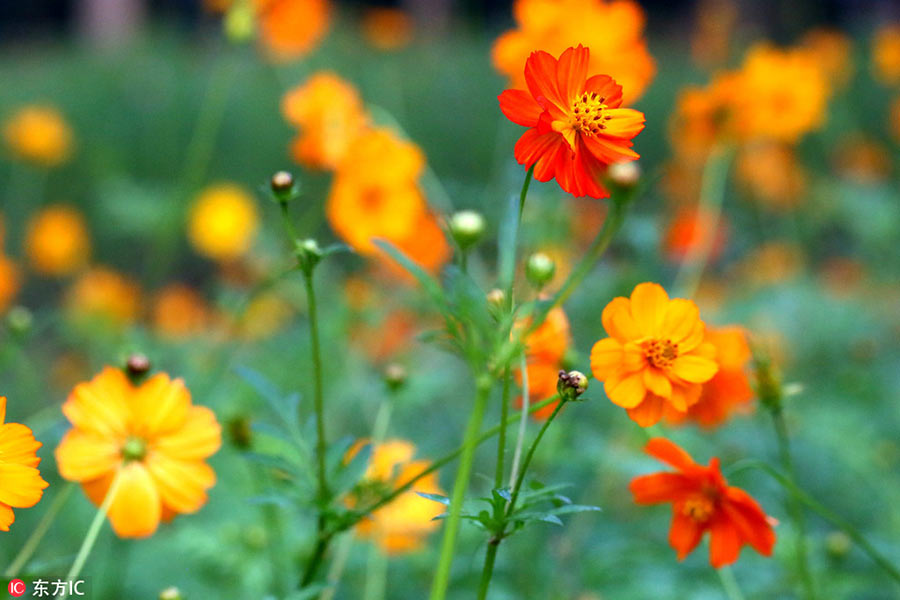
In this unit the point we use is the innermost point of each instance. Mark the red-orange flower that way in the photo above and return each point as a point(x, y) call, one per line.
point(703, 501)
point(577, 126)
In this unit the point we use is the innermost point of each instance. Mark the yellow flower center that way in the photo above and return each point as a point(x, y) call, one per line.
point(587, 114)
point(699, 508)
point(134, 449)
point(660, 353)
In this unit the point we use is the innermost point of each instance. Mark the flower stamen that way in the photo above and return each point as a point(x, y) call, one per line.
point(660, 353)
point(587, 114)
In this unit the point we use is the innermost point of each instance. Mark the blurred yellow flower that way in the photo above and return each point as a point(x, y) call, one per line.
point(613, 30)
point(179, 312)
point(266, 314)
point(387, 28)
point(223, 222)
point(38, 134)
point(886, 54)
point(329, 114)
point(57, 241)
point(375, 193)
point(402, 525)
point(290, 29)
point(103, 294)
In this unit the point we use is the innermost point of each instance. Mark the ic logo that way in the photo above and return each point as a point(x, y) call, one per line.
point(16, 588)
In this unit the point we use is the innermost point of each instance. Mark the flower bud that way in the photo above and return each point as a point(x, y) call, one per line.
point(137, 366)
point(19, 320)
point(282, 184)
point(395, 376)
point(308, 254)
point(540, 269)
point(467, 228)
point(171, 593)
point(571, 385)
point(624, 174)
point(496, 299)
point(838, 544)
point(240, 22)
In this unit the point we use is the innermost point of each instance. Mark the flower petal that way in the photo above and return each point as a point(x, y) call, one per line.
point(679, 321)
point(684, 534)
point(84, 455)
point(606, 356)
point(750, 520)
point(160, 406)
point(7, 517)
point(724, 543)
point(21, 486)
point(540, 76)
point(657, 382)
point(693, 368)
point(649, 412)
point(618, 322)
point(572, 73)
point(660, 487)
point(17, 445)
point(624, 123)
point(136, 509)
point(648, 306)
point(520, 107)
point(606, 87)
point(182, 484)
point(199, 437)
point(627, 391)
point(670, 453)
point(101, 404)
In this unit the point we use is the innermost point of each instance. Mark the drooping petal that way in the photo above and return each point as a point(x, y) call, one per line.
point(540, 76)
point(648, 306)
point(649, 412)
point(182, 484)
point(572, 73)
point(20, 486)
point(606, 356)
point(627, 391)
point(160, 406)
point(84, 455)
point(136, 509)
point(670, 453)
point(520, 107)
point(200, 437)
point(101, 404)
point(7, 517)
point(588, 172)
point(618, 322)
point(609, 150)
point(724, 543)
point(693, 368)
point(17, 445)
point(661, 487)
point(684, 534)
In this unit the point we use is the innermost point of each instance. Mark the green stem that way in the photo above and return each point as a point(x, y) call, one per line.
point(37, 535)
point(341, 554)
point(729, 583)
point(524, 193)
point(451, 527)
point(523, 421)
point(501, 438)
point(794, 507)
point(826, 513)
point(288, 224)
point(376, 574)
point(713, 185)
point(487, 572)
point(93, 531)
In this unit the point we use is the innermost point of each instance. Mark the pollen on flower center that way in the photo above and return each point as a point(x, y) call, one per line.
point(134, 449)
point(660, 353)
point(699, 508)
point(587, 114)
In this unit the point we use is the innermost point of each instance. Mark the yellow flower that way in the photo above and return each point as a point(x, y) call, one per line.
point(39, 134)
point(223, 222)
point(329, 114)
point(21, 485)
point(612, 30)
point(886, 54)
point(57, 241)
point(106, 295)
point(402, 525)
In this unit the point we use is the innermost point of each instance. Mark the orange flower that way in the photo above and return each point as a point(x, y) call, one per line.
point(657, 355)
point(703, 501)
point(39, 134)
point(290, 29)
point(57, 241)
point(577, 127)
point(832, 50)
point(329, 113)
point(387, 28)
point(104, 294)
point(886, 54)
point(392, 334)
point(402, 525)
point(688, 230)
point(179, 312)
point(545, 349)
point(426, 245)
point(613, 29)
point(147, 440)
point(9, 282)
point(772, 174)
point(21, 485)
point(729, 390)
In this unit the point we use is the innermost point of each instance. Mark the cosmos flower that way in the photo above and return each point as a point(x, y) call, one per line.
point(57, 241)
point(21, 485)
point(38, 134)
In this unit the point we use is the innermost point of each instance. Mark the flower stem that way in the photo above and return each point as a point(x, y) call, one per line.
point(729, 583)
point(376, 574)
point(93, 531)
point(501, 438)
point(37, 535)
point(523, 421)
point(794, 507)
point(487, 572)
point(451, 528)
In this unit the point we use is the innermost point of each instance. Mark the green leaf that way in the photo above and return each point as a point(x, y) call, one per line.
point(436, 498)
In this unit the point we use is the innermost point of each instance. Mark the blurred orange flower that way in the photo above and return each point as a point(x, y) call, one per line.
point(576, 124)
point(223, 222)
point(772, 174)
point(545, 350)
point(329, 114)
point(375, 193)
point(179, 312)
point(656, 355)
point(703, 501)
point(729, 390)
point(38, 134)
point(425, 244)
point(387, 28)
point(103, 294)
point(612, 29)
point(146, 442)
point(21, 485)
point(384, 339)
point(886, 54)
point(10, 281)
point(290, 29)
point(57, 241)
point(265, 315)
point(402, 525)
point(689, 229)
point(832, 50)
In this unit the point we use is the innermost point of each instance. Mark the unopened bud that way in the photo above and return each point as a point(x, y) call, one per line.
point(171, 593)
point(240, 22)
point(571, 385)
point(395, 376)
point(137, 366)
point(19, 320)
point(624, 174)
point(496, 298)
point(308, 254)
point(838, 544)
point(467, 228)
point(540, 269)
point(282, 184)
